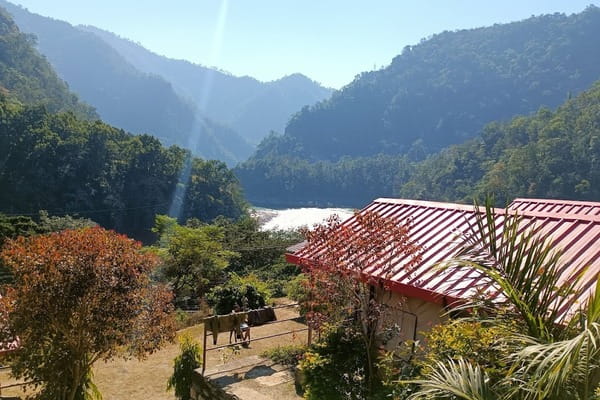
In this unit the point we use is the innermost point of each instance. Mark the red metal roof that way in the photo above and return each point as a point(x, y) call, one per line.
point(568, 207)
point(571, 226)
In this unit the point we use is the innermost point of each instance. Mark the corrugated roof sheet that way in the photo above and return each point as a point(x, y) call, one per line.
point(571, 226)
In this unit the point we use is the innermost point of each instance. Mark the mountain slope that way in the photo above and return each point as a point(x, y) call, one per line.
point(444, 89)
point(251, 107)
point(124, 96)
point(437, 93)
point(27, 77)
point(547, 155)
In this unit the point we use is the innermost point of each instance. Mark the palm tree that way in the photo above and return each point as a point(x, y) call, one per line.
point(568, 368)
point(557, 357)
point(459, 379)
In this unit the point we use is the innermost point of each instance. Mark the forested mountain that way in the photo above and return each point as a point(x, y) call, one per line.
point(124, 96)
point(548, 155)
point(251, 107)
point(27, 77)
point(444, 89)
point(439, 92)
point(66, 165)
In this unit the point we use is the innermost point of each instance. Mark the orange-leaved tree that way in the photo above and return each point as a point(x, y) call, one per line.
point(346, 263)
point(80, 296)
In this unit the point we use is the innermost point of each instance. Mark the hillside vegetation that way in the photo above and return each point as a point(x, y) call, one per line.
point(440, 92)
point(549, 154)
point(28, 77)
point(65, 165)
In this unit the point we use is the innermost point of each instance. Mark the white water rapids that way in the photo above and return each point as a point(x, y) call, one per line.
point(294, 218)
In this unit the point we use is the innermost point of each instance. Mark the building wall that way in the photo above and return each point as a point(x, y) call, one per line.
point(411, 315)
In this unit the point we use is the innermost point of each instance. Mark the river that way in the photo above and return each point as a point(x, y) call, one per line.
point(294, 218)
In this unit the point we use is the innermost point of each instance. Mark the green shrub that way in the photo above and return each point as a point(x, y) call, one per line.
point(289, 355)
point(183, 367)
point(334, 368)
point(297, 291)
point(253, 280)
point(471, 340)
point(392, 369)
point(246, 291)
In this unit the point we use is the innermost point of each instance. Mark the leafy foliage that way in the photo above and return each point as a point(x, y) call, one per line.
point(12, 227)
point(80, 296)
point(193, 258)
point(476, 341)
point(340, 289)
point(331, 370)
point(289, 355)
point(189, 358)
point(460, 379)
point(246, 292)
point(259, 253)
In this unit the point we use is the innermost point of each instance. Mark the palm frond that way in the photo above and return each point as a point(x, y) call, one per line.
point(575, 362)
point(460, 379)
point(523, 266)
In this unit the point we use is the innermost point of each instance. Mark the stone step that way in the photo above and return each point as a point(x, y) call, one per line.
point(251, 378)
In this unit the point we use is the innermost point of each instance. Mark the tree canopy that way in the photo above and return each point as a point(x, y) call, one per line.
point(66, 165)
point(80, 296)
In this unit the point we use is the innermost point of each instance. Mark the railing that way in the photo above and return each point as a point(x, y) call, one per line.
point(206, 334)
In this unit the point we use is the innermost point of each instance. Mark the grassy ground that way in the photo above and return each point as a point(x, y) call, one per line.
point(147, 379)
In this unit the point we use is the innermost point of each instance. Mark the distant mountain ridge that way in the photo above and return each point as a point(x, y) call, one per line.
point(365, 140)
point(250, 107)
point(122, 95)
point(443, 90)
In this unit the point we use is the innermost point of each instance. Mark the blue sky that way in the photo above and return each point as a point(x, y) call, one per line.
point(330, 41)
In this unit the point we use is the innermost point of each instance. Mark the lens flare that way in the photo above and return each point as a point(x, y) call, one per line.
point(199, 126)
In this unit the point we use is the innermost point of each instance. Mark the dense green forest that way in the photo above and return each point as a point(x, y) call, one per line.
point(349, 182)
point(252, 108)
point(29, 78)
point(124, 96)
point(65, 165)
point(549, 154)
point(440, 92)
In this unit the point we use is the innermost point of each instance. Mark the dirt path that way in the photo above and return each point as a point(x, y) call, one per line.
point(147, 380)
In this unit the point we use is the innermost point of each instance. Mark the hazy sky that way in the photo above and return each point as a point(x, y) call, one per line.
point(330, 41)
